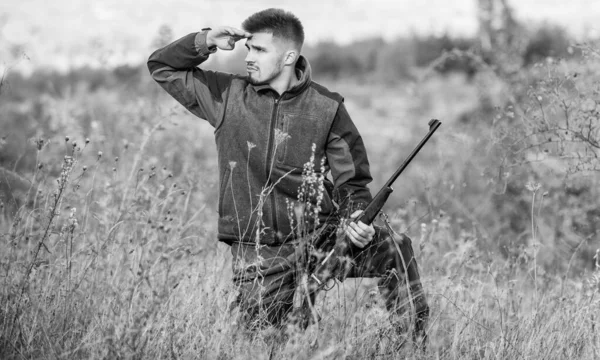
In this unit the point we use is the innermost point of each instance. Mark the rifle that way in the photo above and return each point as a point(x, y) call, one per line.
point(335, 264)
point(373, 208)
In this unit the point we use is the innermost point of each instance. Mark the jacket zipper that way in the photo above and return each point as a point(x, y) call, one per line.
point(270, 155)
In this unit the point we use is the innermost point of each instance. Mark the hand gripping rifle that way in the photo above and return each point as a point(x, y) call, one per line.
point(333, 265)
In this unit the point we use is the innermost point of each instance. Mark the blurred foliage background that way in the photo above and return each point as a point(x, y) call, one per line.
point(108, 192)
point(505, 156)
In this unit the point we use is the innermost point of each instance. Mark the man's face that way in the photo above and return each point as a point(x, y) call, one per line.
point(264, 61)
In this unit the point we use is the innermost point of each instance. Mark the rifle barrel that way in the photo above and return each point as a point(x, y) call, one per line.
point(433, 125)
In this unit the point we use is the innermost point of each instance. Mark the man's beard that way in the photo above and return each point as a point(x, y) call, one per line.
point(268, 79)
point(255, 82)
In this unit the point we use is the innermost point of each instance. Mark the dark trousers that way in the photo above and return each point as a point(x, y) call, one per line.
point(267, 278)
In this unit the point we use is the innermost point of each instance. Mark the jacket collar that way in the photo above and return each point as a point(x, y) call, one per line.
point(303, 72)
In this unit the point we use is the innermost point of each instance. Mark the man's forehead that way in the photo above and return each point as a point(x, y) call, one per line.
point(262, 36)
point(266, 39)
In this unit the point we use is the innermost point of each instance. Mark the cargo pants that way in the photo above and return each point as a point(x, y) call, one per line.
point(267, 281)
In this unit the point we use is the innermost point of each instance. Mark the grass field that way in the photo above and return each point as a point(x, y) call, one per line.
point(108, 234)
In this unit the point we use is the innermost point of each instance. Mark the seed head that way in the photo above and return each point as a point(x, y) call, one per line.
point(84, 168)
point(280, 137)
point(99, 154)
point(39, 143)
point(533, 186)
point(87, 141)
point(67, 138)
point(116, 159)
point(40, 166)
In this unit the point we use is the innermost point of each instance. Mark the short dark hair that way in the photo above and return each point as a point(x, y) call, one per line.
point(282, 24)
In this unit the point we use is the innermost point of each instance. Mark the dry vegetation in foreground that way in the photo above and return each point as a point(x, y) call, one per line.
point(108, 244)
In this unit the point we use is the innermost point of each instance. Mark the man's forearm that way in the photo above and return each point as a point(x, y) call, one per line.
point(174, 68)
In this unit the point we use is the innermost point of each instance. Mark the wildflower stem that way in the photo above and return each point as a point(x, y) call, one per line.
point(535, 244)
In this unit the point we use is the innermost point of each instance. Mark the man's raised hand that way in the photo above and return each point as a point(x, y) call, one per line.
point(225, 37)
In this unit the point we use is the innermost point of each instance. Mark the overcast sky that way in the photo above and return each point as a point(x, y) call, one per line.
point(67, 33)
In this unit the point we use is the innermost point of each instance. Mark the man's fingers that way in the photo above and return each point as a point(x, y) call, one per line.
point(364, 227)
point(237, 33)
point(359, 237)
point(354, 237)
point(355, 214)
point(363, 230)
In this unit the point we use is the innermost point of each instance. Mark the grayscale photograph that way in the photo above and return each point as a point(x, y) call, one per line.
point(303, 180)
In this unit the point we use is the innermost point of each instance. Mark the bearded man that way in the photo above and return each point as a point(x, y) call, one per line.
point(268, 125)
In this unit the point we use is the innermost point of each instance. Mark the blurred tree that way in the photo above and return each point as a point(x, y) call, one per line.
point(547, 40)
point(396, 61)
point(163, 37)
point(501, 38)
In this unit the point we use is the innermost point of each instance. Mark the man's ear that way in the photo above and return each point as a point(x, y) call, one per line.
point(290, 57)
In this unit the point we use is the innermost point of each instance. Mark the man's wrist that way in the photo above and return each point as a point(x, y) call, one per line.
point(202, 43)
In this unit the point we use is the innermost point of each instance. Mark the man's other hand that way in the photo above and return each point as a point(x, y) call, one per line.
point(359, 233)
point(225, 37)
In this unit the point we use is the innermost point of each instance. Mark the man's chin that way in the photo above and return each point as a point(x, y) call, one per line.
point(254, 81)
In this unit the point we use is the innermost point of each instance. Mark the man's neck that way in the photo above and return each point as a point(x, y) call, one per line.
point(285, 81)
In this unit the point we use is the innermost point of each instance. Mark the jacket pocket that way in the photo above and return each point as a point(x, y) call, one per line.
point(302, 132)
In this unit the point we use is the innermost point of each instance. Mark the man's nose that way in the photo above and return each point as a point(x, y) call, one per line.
point(249, 57)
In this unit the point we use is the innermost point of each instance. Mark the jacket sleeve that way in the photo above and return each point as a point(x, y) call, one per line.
point(347, 159)
point(202, 92)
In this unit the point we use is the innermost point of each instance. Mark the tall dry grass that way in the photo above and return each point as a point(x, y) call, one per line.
point(109, 248)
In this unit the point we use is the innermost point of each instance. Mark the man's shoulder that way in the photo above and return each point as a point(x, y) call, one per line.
point(323, 91)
